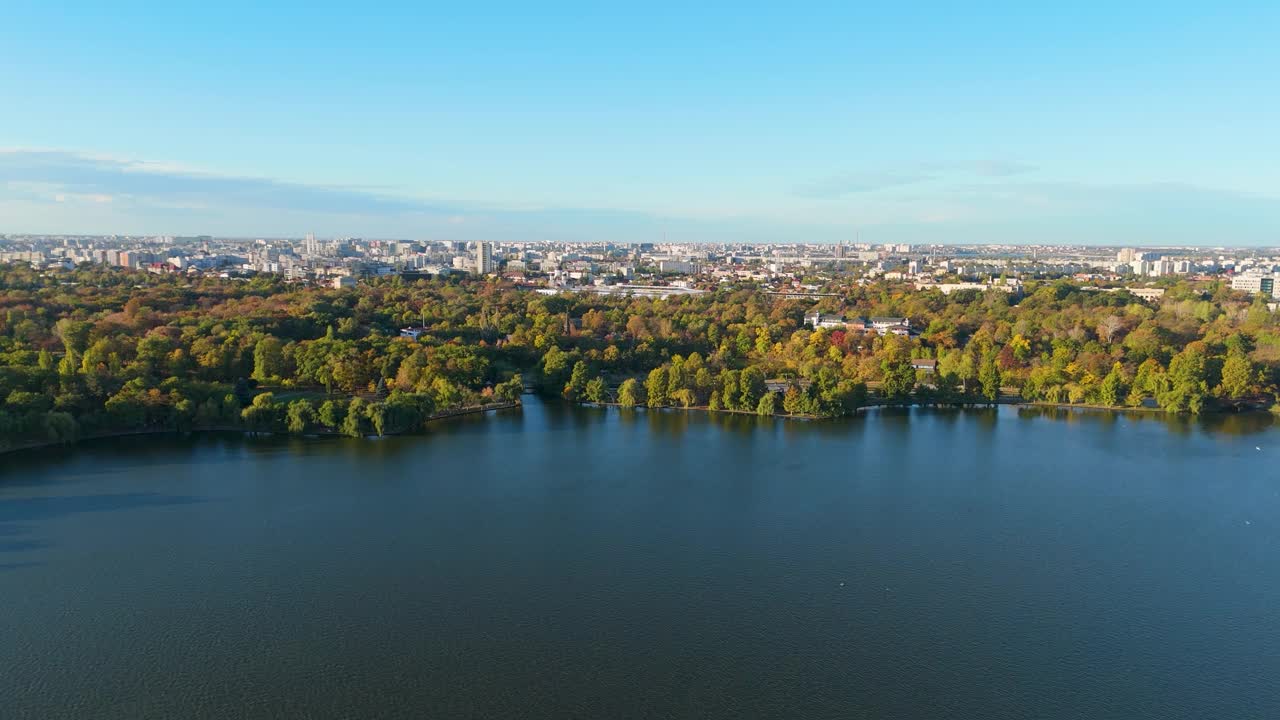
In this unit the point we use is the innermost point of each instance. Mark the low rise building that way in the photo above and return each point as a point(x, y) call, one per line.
point(1148, 293)
point(1254, 281)
point(895, 325)
point(825, 320)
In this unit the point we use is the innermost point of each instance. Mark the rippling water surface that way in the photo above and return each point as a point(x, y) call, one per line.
point(562, 562)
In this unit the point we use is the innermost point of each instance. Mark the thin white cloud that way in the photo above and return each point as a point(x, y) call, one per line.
point(62, 191)
point(841, 185)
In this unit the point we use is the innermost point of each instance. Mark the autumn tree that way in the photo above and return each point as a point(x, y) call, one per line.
point(1237, 376)
point(577, 385)
point(655, 387)
point(630, 394)
point(595, 390)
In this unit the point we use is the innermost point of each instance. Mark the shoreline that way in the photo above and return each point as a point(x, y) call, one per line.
point(317, 433)
point(786, 416)
point(481, 409)
point(1019, 403)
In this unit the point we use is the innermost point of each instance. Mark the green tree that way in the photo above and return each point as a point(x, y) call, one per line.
point(577, 385)
point(1186, 387)
point(1112, 390)
point(24, 402)
point(899, 378)
point(989, 378)
point(948, 387)
point(405, 413)
point(355, 423)
point(555, 367)
point(966, 371)
point(655, 387)
point(752, 386)
point(510, 390)
point(230, 411)
point(595, 391)
point(182, 412)
point(300, 416)
point(60, 427)
point(332, 413)
point(268, 359)
point(377, 414)
point(1148, 380)
point(684, 397)
point(68, 365)
point(850, 396)
point(263, 414)
point(630, 394)
point(446, 395)
point(767, 404)
point(74, 334)
point(349, 371)
point(1237, 376)
point(730, 389)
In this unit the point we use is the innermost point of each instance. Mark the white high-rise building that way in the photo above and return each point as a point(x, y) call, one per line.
point(484, 258)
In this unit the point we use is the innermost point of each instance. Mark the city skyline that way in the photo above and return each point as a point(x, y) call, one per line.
point(1150, 125)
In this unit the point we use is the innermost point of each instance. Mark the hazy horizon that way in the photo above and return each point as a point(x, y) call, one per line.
point(1144, 125)
point(833, 243)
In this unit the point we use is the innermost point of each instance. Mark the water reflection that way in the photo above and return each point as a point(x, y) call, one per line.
point(1183, 425)
point(1238, 424)
point(667, 422)
point(946, 416)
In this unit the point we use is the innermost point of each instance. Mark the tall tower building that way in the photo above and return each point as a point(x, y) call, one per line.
point(484, 258)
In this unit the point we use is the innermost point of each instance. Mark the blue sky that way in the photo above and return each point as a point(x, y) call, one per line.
point(1115, 123)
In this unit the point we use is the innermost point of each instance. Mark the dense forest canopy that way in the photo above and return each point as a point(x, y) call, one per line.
point(98, 350)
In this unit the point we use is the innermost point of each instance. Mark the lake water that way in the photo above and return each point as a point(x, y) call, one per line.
point(561, 562)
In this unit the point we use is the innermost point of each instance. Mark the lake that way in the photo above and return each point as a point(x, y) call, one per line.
point(568, 562)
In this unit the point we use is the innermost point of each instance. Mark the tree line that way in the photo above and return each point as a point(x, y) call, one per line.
point(96, 350)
